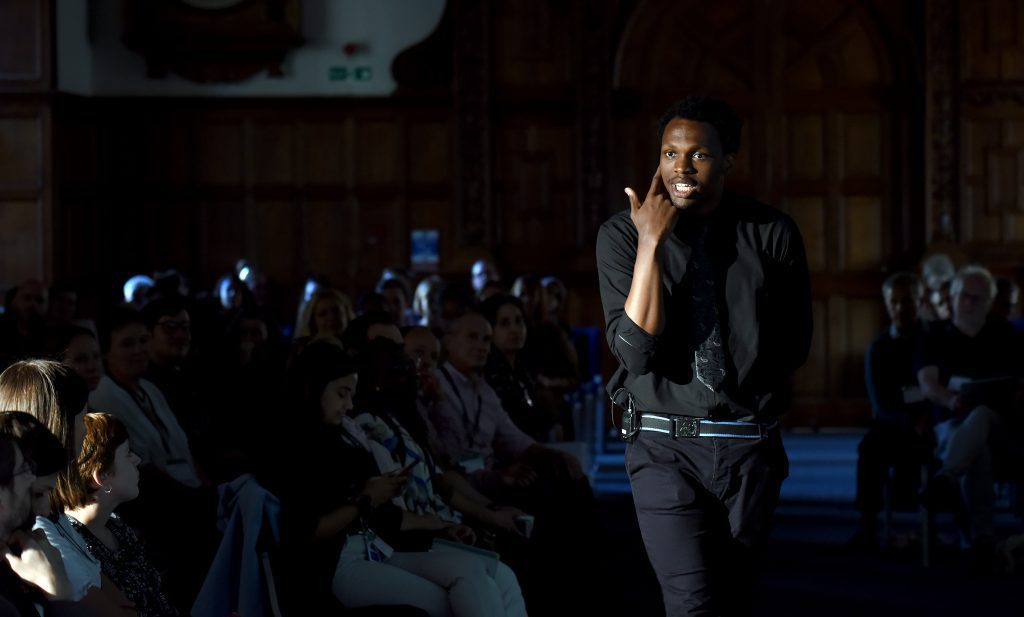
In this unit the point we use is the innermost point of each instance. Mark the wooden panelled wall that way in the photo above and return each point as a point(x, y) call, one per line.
point(883, 128)
point(26, 154)
point(297, 186)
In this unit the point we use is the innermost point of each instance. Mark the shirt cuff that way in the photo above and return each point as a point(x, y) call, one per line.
point(632, 337)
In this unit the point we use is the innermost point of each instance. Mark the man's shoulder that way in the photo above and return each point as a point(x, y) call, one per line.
point(749, 210)
point(618, 224)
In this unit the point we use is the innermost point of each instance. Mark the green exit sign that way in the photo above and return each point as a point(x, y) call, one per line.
point(345, 73)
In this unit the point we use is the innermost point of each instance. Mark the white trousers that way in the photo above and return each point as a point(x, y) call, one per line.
point(442, 584)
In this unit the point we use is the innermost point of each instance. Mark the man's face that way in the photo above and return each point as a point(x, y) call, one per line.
point(16, 499)
point(692, 164)
point(469, 343)
point(29, 303)
point(901, 303)
point(423, 347)
point(972, 301)
point(171, 339)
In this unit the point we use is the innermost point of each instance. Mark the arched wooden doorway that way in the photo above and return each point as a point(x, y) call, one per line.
point(825, 107)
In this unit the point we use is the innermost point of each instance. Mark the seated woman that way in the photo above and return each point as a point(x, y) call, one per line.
point(326, 314)
point(338, 504)
point(532, 410)
point(390, 417)
point(95, 593)
point(177, 506)
point(108, 476)
point(56, 397)
point(78, 349)
point(158, 437)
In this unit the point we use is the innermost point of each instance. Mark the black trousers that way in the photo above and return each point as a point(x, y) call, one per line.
point(705, 507)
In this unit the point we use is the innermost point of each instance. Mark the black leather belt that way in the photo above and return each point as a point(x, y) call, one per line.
point(687, 426)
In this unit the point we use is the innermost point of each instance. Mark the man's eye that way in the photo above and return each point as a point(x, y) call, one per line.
point(700, 156)
point(670, 155)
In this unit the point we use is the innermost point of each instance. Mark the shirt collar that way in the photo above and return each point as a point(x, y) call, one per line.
point(459, 377)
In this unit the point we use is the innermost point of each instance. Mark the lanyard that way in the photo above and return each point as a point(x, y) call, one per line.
point(145, 405)
point(471, 430)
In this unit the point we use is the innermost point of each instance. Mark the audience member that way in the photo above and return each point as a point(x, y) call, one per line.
point(22, 325)
point(57, 397)
point(536, 415)
point(31, 571)
point(425, 350)
point(937, 271)
point(347, 510)
point(426, 302)
point(170, 339)
point(63, 305)
point(395, 301)
point(510, 467)
point(327, 313)
point(482, 272)
point(89, 590)
point(156, 434)
point(108, 476)
point(78, 349)
point(968, 368)
point(136, 290)
point(900, 436)
point(1005, 304)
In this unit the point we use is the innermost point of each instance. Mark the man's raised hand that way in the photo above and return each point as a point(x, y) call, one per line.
point(656, 216)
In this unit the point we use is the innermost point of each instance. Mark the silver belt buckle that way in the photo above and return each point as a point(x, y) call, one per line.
point(686, 427)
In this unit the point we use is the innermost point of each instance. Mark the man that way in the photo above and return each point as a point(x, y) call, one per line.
point(509, 467)
point(707, 304)
point(170, 339)
point(22, 326)
point(474, 429)
point(26, 559)
point(979, 432)
point(900, 433)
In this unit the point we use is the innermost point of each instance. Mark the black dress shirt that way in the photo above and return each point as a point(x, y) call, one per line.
point(763, 294)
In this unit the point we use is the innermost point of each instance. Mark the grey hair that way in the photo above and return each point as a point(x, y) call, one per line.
point(973, 270)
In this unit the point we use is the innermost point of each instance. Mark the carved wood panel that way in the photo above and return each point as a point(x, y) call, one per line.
point(297, 188)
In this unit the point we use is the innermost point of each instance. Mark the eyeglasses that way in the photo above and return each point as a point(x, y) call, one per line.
point(174, 325)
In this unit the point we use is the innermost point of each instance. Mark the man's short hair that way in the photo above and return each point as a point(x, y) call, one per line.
point(904, 279)
point(715, 112)
point(973, 270)
point(163, 306)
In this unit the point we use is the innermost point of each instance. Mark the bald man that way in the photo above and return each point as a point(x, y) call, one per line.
point(474, 429)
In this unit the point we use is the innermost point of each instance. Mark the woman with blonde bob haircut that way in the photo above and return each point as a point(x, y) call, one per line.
point(108, 475)
point(326, 313)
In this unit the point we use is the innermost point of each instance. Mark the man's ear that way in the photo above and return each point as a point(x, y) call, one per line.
point(98, 479)
point(729, 160)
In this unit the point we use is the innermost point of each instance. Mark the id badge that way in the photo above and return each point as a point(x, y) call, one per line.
point(377, 550)
point(471, 462)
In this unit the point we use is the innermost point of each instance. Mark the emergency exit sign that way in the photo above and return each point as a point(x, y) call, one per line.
point(350, 73)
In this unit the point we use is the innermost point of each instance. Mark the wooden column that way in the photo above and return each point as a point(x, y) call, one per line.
point(942, 58)
point(473, 125)
point(26, 161)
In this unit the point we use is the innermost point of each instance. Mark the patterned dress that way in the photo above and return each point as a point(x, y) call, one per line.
point(128, 568)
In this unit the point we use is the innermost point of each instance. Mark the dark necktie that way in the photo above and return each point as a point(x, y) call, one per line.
point(708, 355)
